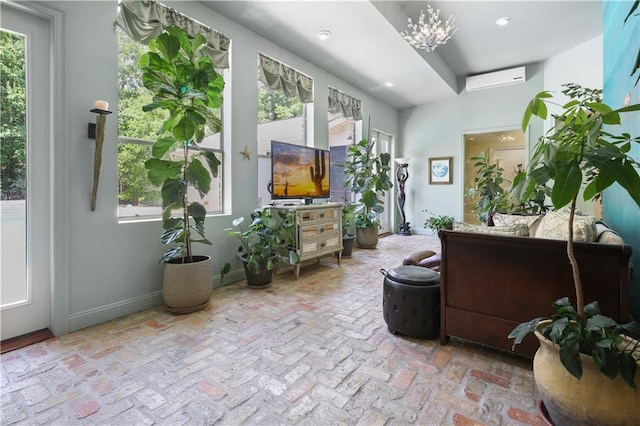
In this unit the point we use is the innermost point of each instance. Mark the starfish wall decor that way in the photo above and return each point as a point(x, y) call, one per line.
point(246, 153)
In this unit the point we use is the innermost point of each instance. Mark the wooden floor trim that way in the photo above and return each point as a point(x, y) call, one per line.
point(25, 340)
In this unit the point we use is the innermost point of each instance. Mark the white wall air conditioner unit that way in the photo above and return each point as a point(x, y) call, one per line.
point(497, 78)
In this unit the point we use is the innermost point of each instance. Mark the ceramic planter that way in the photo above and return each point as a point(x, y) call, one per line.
point(187, 287)
point(593, 400)
point(347, 244)
point(262, 279)
point(367, 238)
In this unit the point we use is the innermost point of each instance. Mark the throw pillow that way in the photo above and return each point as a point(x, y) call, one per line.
point(532, 221)
point(554, 225)
point(607, 235)
point(517, 230)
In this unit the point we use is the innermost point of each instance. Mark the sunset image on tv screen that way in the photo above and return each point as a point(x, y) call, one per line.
point(299, 171)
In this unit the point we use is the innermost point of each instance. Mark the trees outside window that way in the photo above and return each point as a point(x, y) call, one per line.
point(137, 130)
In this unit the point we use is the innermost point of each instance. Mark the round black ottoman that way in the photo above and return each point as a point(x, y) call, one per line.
point(411, 301)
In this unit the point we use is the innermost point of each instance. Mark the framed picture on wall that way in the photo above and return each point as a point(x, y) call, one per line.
point(440, 170)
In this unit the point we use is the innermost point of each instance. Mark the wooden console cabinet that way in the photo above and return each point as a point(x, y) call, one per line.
point(318, 231)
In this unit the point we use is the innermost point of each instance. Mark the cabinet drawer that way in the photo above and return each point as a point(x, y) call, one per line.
point(317, 230)
point(320, 245)
point(307, 216)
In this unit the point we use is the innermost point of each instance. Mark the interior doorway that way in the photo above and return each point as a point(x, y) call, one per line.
point(504, 147)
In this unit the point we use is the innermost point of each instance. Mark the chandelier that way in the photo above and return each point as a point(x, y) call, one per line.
point(429, 33)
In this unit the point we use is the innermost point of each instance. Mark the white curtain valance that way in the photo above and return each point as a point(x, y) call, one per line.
point(144, 20)
point(340, 102)
point(278, 76)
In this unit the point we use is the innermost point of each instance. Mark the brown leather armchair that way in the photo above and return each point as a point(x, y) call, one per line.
point(425, 258)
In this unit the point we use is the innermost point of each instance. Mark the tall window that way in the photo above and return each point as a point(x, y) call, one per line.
point(141, 22)
point(285, 111)
point(345, 128)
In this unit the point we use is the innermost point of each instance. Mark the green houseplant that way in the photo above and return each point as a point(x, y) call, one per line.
point(487, 189)
point(368, 175)
point(265, 241)
point(580, 150)
point(438, 222)
point(186, 85)
point(348, 220)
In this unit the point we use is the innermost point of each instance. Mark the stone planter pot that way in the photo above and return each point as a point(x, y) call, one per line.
point(593, 400)
point(187, 287)
point(367, 238)
point(347, 244)
point(262, 279)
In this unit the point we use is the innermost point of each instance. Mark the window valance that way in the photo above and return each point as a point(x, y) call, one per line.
point(146, 19)
point(340, 102)
point(278, 76)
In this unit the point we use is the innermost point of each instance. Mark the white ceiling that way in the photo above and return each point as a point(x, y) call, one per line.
point(366, 49)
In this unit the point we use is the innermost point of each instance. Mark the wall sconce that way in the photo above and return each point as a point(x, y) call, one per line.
point(402, 174)
point(96, 131)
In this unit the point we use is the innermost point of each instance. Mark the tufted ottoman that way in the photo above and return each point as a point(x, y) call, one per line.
point(411, 301)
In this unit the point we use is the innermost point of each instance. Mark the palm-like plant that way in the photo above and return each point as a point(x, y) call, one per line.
point(184, 82)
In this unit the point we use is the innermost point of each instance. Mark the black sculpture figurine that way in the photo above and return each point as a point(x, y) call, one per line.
point(402, 174)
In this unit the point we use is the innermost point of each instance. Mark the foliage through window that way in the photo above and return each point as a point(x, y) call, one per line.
point(280, 117)
point(137, 130)
point(12, 117)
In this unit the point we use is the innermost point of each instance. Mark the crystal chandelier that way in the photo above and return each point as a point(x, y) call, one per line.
point(429, 33)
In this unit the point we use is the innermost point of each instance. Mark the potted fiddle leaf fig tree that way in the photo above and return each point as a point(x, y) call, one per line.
point(368, 175)
point(185, 84)
point(586, 369)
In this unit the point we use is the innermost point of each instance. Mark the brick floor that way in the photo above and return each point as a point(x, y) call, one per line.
point(309, 351)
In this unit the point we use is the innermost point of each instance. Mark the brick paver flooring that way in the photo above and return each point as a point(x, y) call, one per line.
point(313, 351)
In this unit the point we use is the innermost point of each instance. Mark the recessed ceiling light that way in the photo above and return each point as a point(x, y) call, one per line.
point(503, 21)
point(389, 83)
point(323, 35)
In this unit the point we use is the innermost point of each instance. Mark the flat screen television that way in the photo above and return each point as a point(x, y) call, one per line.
point(299, 172)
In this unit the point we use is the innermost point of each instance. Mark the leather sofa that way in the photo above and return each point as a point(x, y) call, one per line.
point(491, 283)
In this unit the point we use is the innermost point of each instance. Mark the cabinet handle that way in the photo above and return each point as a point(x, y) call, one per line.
point(322, 245)
point(322, 215)
point(321, 230)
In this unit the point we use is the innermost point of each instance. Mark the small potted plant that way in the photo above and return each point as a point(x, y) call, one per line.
point(436, 223)
point(265, 241)
point(586, 368)
point(348, 219)
point(186, 85)
point(368, 175)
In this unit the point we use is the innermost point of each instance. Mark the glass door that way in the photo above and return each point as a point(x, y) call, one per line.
point(382, 145)
point(25, 204)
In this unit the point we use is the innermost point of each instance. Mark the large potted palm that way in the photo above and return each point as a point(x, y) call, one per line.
point(185, 84)
point(586, 369)
point(368, 175)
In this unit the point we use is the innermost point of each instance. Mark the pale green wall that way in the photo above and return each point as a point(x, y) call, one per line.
point(112, 267)
point(436, 130)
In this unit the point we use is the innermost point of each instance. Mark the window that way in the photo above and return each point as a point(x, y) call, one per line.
point(345, 128)
point(137, 130)
point(285, 113)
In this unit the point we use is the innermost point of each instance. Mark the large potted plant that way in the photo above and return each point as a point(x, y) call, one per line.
point(487, 189)
point(185, 84)
point(265, 241)
point(586, 370)
point(368, 175)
